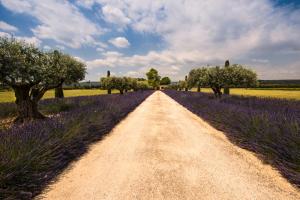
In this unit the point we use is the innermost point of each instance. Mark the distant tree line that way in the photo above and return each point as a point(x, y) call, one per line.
point(122, 84)
point(279, 83)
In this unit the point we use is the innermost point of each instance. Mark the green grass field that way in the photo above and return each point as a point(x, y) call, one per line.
point(285, 93)
point(9, 96)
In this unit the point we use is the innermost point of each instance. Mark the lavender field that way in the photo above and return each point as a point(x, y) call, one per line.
point(34, 153)
point(268, 127)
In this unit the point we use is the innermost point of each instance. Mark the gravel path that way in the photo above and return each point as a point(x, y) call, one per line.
point(163, 151)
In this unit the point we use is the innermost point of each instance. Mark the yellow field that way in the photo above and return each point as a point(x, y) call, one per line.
point(274, 93)
point(9, 96)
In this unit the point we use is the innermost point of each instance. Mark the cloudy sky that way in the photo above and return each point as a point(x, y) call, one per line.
point(128, 37)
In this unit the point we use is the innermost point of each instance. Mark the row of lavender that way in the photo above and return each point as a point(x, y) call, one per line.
point(269, 127)
point(33, 154)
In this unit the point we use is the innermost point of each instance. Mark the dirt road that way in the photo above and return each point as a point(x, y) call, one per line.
point(163, 151)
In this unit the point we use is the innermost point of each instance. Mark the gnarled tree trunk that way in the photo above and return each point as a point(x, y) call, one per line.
point(108, 91)
point(217, 92)
point(59, 92)
point(27, 108)
point(198, 88)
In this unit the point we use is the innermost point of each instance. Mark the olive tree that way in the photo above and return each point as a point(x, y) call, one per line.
point(106, 84)
point(197, 78)
point(153, 78)
point(132, 84)
point(73, 70)
point(123, 84)
point(120, 83)
point(165, 81)
point(239, 76)
point(217, 77)
point(181, 85)
point(141, 85)
point(30, 73)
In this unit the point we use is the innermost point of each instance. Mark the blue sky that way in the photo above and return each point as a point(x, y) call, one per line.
point(130, 36)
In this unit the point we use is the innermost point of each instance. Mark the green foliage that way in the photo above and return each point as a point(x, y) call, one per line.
point(279, 84)
point(197, 78)
point(142, 85)
point(222, 77)
point(165, 81)
point(239, 76)
point(153, 78)
point(123, 84)
point(173, 86)
point(120, 83)
point(30, 73)
point(23, 64)
point(71, 70)
point(182, 85)
point(106, 83)
point(132, 83)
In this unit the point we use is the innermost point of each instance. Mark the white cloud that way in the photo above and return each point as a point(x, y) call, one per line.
point(110, 54)
point(208, 32)
point(110, 58)
point(120, 42)
point(79, 59)
point(165, 62)
point(101, 44)
point(59, 20)
point(132, 74)
point(61, 47)
point(7, 27)
point(99, 49)
point(269, 71)
point(47, 48)
point(17, 6)
point(32, 40)
point(115, 15)
point(194, 33)
point(260, 60)
point(4, 34)
point(85, 3)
